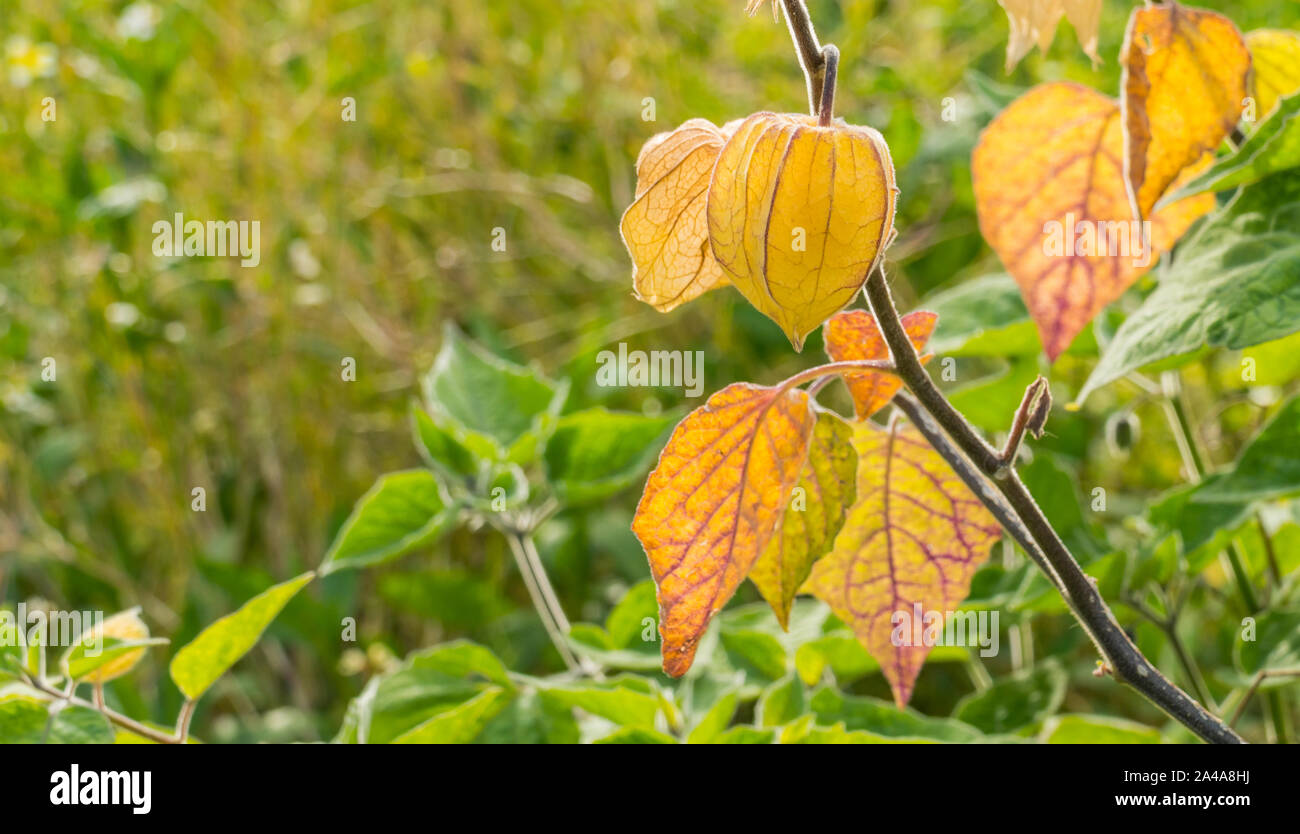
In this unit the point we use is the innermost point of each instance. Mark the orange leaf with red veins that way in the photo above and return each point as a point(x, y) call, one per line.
point(1052, 202)
point(714, 501)
point(1184, 86)
point(665, 230)
point(916, 536)
point(854, 334)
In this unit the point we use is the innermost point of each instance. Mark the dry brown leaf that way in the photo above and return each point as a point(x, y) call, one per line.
point(1035, 21)
point(665, 229)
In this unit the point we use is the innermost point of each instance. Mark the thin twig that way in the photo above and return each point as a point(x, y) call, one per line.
point(183, 720)
point(1029, 409)
point(112, 715)
point(1254, 685)
point(809, 49)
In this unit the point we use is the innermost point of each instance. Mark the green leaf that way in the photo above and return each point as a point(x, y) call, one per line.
point(1274, 146)
point(781, 703)
point(1096, 729)
point(1055, 489)
point(715, 721)
point(461, 659)
point(636, 735)
point(984, 316)
point(620, 704)
point(12, 658)
point(1014, 702)
point(1205, 528)
point(22, 720)
point(491, 402)
point(884, 719)
point(444, 446)
point(627, 624)
point(1276, 644)
point(596, 453)
point(1268, 467)
point(530, 719)
point(1155, 563)
point(398, 702)
point(841, 653)
point(219, 646)
point(460, 724)
point(1235, 282)
point(27, 720)
point(79, 725)
point(80, 660)
point(400, 513)
point(746, 735)
point(755, 652)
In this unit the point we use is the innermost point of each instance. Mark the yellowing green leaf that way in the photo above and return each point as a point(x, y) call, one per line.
point(219, 646)
point(461, 723)
point(713, 502)
point(914, 539)
point(815, 514)
point(123, 629)
point(1275, 64)
point(799, 215)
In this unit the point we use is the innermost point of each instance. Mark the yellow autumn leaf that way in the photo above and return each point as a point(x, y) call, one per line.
point(1035, 21)
point(713, 502)
point(854, 334)
point(826, 489)
point(1275, 59)
point(799, 215)
point(125, 625)
point(914, 538)
point(664, 229)
point(1051, 201)
point(1182, 93)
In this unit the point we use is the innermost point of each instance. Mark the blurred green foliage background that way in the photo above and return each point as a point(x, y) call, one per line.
point(528, 116)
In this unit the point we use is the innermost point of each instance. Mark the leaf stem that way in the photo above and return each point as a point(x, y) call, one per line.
point(113, 716)
point(1171, 388)
point(543, 595)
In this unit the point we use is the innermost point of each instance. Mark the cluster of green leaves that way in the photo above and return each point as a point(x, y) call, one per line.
point(500, 451)
point(753, 683)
